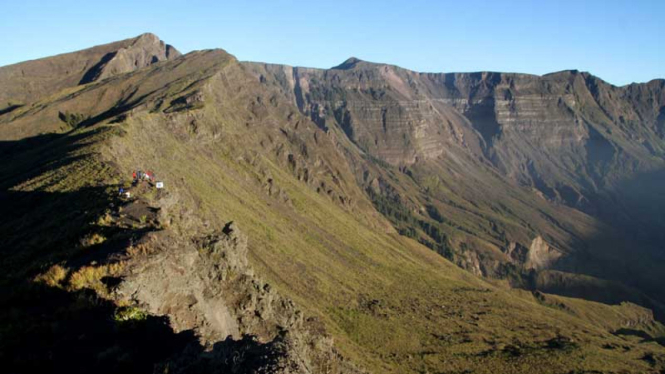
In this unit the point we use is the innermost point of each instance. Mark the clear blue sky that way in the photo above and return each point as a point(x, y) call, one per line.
point(619, 41)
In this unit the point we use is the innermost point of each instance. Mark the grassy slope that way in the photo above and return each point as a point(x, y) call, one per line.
point(392, 304)
point(430, 314)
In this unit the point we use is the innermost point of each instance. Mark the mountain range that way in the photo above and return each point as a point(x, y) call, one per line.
point(363, 218)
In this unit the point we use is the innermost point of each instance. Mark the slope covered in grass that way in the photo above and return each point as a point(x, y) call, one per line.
point(228, 149)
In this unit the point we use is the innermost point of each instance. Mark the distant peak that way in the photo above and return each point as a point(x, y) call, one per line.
point(564, 73)
point(147, 40)
point(350, 63)
point(147, 37)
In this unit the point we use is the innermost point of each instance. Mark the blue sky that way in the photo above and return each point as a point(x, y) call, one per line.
point(619, 41)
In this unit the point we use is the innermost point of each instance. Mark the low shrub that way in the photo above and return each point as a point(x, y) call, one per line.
point(129, 314)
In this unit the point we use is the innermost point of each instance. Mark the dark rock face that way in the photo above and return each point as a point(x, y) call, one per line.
point(510, 161)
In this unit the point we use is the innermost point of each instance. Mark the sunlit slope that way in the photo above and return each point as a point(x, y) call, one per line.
point(227, 149)
point(25, 82)
point(504, 174)
point(391, 303)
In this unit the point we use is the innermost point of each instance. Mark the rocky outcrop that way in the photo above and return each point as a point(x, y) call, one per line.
point(145, 50)
point(541, 255)
point(401, 116)
point(206, 285)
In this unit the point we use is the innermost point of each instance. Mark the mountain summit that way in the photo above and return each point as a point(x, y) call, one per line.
point(193, 213)
point(348, 64)
point(28, 81)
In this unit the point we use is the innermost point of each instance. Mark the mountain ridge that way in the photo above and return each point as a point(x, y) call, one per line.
point(315, 216)
point(351, 62)
point(568, 137)
point(26, 81)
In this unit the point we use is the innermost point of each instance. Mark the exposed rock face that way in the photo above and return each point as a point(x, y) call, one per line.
point(555, 153)
point(145, 50)
point(402, 116)
point(541, 255)
point(178, 283)
point(206, 285)
point(28, 81)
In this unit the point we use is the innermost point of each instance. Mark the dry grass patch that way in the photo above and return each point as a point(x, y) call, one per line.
point(53, 277)
point(92, 240)
point(91, 277)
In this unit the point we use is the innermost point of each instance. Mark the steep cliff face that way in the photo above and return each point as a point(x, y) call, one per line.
point(479, 164)
point(514, 120)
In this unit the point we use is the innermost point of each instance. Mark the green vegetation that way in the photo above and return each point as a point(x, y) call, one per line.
point(410, 226)
point(92, 239)
point(129, 314)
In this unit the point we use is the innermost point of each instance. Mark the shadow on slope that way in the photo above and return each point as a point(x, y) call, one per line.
point(50, 196)
point(47, 329)
point(624, 261)
point(50, 330)
point(53, 194)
